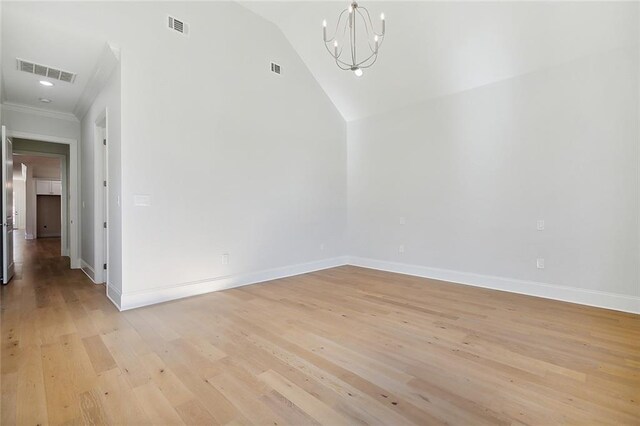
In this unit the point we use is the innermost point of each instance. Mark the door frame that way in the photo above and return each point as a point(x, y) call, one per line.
point(8, 269)
point(64, 200)
point(73, 191)
point(101, 196)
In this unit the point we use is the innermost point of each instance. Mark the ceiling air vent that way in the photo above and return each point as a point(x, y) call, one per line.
point(275, 68)
point(45, 71)
point(178, 25)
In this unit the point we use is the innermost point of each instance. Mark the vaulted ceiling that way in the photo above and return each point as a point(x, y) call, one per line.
point(431, 49)
point(438, 48)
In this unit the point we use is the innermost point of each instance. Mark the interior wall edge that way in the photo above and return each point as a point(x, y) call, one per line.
point(179, 291)
point(115, 296)
point(88, 270)
point(599, 299)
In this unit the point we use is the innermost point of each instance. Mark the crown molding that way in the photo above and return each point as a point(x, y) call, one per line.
point(109, 59)
point(8, 106)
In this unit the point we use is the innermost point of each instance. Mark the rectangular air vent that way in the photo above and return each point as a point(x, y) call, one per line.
point(178, 25)
point(45, 71)
point(275, 68)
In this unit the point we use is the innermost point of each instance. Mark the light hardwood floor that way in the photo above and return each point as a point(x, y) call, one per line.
point(340, 346)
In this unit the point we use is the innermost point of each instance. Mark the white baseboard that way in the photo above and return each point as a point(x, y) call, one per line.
point(115, 296)
point(178, 291)
point(88, 271)
point(599, 299)
point(29, 236)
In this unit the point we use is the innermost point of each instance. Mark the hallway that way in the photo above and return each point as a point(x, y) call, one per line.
point(45, 309)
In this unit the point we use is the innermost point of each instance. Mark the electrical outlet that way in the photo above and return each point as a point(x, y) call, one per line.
point(540, 263)
point(540, 225)
point(225, 259)
point(321, 247)
point(403, 221)
point(401, 248)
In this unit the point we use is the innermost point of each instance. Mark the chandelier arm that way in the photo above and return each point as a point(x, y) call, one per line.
point(361, 63)
point(337, 58)
point(375, 58)
point(335, 33)
point(352, 35)
point(366, 27)
point(347, 66)
point(373, 30)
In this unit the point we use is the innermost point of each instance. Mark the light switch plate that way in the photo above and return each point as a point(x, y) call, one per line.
point(540, 225)
point(540, 263)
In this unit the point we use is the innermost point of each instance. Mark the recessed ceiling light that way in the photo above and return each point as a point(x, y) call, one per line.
point(45, 100)
point(46, 83)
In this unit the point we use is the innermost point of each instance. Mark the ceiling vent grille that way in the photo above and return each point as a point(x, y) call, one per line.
point(45, 71)
point(275, 68)
point(178, 25)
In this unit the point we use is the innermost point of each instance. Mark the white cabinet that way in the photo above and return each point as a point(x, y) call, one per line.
point(56, 187)
point(43, 187)
point(48, 187)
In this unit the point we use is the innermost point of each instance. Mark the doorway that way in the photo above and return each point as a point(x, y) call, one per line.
point(43, 173)
point(40, 194)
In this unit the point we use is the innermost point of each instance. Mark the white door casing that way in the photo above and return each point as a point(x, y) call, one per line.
point(8, 265)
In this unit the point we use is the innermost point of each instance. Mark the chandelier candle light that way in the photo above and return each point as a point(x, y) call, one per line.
point(355, 18)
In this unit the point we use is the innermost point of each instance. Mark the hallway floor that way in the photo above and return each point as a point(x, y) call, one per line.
point(340, 346)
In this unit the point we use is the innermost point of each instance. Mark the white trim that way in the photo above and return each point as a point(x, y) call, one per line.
point(601, 299)
point(88, 270)
point(115, 296)
point(40, 112)
point(100, 174)
point(140, 298)
point(39, 137)
point(74, 188)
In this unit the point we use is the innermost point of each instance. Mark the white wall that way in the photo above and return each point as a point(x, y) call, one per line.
point(266, 154)
point(107, 101)
point(471, 174)
point(19, 200)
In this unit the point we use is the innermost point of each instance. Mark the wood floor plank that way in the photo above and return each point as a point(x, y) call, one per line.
point(340, 346)
point(31, 390)
point(98, 353)
point(317, 410)
point(156, 406)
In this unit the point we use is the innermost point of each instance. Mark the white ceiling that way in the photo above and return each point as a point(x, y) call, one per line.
point(43, 167)
point(39, 38)
point(431, 49)
point(438, 48)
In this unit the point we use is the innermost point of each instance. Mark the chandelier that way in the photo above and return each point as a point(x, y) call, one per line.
point(343, 45)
